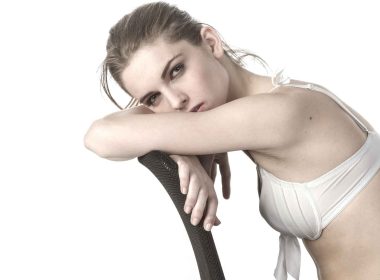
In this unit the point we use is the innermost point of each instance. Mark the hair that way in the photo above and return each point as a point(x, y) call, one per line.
point(143, 26)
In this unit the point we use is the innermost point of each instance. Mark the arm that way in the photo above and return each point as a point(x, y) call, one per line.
point(209, 163)
point(250, 123)
point(197, 181)
point(95, 132)
point(196, 184)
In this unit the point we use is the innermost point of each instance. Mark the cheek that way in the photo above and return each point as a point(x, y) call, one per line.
point(213, 79)
point(219, 84)
point(223, 80)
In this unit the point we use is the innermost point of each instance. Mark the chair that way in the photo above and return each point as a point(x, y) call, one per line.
point(166, 171)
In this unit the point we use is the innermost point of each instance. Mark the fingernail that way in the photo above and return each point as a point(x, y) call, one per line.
point(208, 227)
point(194, 221)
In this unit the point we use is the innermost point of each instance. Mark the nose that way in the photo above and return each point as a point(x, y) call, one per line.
point(177, 100)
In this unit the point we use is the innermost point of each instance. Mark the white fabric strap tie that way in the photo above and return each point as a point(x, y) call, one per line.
point(289, 258)
point(280, 78)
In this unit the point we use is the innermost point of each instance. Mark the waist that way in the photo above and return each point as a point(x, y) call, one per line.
point(365, 268)
point(371, 271)
point(351, 243)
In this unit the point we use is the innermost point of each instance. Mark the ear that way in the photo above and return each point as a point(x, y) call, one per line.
point(212, 41)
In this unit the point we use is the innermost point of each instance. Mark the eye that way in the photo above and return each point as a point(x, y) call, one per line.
point(151, 99)
point(176, 70)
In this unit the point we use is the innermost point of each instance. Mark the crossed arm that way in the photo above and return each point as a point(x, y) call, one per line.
point(232, 126)
point(197, 176)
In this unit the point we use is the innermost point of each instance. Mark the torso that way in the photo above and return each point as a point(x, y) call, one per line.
point(349, 247)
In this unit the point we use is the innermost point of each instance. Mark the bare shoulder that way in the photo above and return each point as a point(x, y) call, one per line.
point(320, 97)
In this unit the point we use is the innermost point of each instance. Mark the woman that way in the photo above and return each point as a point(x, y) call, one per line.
point(317, 159)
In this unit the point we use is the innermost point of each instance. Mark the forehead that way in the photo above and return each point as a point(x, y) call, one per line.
point(147, 63)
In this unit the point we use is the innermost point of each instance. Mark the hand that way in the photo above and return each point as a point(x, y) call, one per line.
point(197, 184)
point(209, 163)
point(225, 172)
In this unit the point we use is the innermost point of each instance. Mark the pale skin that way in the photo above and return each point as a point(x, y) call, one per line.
point(306, 128)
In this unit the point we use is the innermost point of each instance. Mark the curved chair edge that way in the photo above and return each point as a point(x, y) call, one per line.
point(166, 171)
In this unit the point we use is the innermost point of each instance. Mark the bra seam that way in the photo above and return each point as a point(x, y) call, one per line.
point(316, 212)
point(278, 210)
point(299, 229)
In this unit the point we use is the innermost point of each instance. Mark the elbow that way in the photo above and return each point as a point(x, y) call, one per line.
point(95, 139)
point(100, 139)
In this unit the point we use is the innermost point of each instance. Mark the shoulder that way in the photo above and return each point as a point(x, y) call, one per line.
point(302, 94)
point(305, 108)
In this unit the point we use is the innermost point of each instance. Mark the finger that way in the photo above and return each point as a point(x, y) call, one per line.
point(225, 173)
point(226, 187)
point(184, 176)
point(212, 205)
point(174, 157)
point(192, 196)
point(213, 171)
point(182, 173)
point(217, 222)
point(199, 207)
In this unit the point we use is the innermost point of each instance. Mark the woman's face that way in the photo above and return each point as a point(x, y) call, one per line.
point(169, 77)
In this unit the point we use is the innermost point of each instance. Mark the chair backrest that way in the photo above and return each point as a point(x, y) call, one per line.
point(166, 171)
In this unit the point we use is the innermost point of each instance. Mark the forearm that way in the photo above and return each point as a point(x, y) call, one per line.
point(96, 137)
point(124, 113)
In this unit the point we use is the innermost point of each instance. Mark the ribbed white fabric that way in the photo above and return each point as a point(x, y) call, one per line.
point(303, 210)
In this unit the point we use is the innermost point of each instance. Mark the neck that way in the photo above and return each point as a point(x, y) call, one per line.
point(244, 83)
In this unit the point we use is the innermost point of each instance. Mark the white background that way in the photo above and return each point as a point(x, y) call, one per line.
point(66, 213)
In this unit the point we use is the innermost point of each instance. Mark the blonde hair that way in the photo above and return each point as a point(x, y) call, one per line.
point(144, 25)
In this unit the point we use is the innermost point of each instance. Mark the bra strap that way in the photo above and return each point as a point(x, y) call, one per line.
point(280, 79)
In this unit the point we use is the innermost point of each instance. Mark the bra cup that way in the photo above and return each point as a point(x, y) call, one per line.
point(289, 209)
point(303, 209)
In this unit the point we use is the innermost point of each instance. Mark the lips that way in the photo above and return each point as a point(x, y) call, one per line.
point(196, 108)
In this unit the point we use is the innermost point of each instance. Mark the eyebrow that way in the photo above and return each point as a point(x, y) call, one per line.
point(163, 75)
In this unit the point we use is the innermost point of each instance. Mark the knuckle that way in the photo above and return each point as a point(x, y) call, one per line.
point(182, 170)
point(213, 197)
point(182, 184)
point(190, 201)
point(203, 191)
point(211, 215)
point(183, 179)
point(181, 162)
point(214, 202)
point(197, 216)
point(197, 212)
point(195, 179)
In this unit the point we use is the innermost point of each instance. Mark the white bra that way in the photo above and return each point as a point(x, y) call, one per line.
point(303, 210)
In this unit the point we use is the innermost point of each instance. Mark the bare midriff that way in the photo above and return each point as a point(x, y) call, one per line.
point(349, 247)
